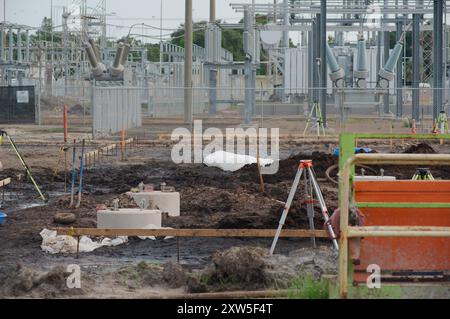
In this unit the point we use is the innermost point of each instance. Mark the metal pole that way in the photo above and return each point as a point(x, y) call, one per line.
point(311, 66)
point(212, 11)
point(275, 11)
point(386, 44)
point(316, 52)
point(286, 23)
point(212, 71)
point(2, 42)
point(378, 66)
point(437, 57)
point(11, 45)
point(161, 49)
point(416, 60)
point(399, 75)
point(27, 43)
point(188, 116)
point(323, 59)
point(19, 45)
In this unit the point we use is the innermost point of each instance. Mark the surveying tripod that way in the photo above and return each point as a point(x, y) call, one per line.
point(423, 174)
point(441, 123)
point(306, 170)
point(319, 125)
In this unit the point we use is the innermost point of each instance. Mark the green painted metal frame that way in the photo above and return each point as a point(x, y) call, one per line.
point(347, 143)
point(347, 147)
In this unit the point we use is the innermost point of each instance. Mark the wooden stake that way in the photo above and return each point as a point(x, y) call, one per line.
point(123, 143)
point(258, 163)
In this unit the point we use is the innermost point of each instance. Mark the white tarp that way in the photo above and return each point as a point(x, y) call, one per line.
point(54, 244)
point(233, 162)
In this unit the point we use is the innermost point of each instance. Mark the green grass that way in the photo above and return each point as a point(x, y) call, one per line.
point(306, 287)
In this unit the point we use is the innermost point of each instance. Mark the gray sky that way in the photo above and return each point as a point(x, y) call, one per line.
point(128, 12)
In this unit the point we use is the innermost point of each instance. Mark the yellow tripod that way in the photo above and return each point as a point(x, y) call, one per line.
point(318, 118)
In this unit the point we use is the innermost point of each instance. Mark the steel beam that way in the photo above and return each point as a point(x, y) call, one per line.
point(212, 11)
point(188, 113)
point(399, 75)
point(11, 46)
point(323, 60)
point(386, 47)
point(416, 62)
point(286, 22)
point(311, 67)
point(316, 53)
point(438, 34)
point(2, 43)
point(212, 72)
point(19, 45)
point(27, 49)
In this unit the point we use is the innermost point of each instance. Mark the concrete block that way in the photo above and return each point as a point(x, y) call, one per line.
point(128, 219)
point(166, 202)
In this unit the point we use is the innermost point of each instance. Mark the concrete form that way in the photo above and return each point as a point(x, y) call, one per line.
point(166, 202)
point(128, 219)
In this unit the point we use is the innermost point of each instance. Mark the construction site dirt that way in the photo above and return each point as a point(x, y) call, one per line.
point(211, 199)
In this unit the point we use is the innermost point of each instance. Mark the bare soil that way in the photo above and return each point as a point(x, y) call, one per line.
point(210, 198)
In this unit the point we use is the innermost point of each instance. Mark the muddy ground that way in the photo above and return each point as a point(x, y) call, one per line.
point(210, 198)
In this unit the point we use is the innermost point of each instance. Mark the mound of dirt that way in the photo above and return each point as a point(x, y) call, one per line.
point(145, 274)
point(422, 148)
point(206, 200)
point(140, 275)
point(249, 268)
point(87, 202)
point(240, 265)
point(281, 269)
point(20, 281)
point(174, 275)
point(288, 167)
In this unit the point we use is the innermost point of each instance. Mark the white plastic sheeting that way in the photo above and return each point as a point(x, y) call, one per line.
point(54, 244)
point(232, 162)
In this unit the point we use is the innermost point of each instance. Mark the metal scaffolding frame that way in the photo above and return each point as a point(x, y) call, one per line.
point(316, 17)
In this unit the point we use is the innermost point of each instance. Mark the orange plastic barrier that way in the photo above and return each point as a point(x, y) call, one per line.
point(404, 255)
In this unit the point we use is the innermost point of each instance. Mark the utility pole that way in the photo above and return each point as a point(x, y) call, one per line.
point(438, 34)
point(188, 114)
point(212, 11)
point(3, 36)
point(275, 11)
point(399, 73)
point(386, 47)
point(286, 20)
point(323, 60)
point(213, 71)
point(416, 60)
point(161, 40)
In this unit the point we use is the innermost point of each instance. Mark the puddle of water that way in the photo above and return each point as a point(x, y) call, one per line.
point(31, 205)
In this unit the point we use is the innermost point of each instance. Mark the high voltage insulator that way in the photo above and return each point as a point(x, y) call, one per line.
point(337, 74)
point(361, 73)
